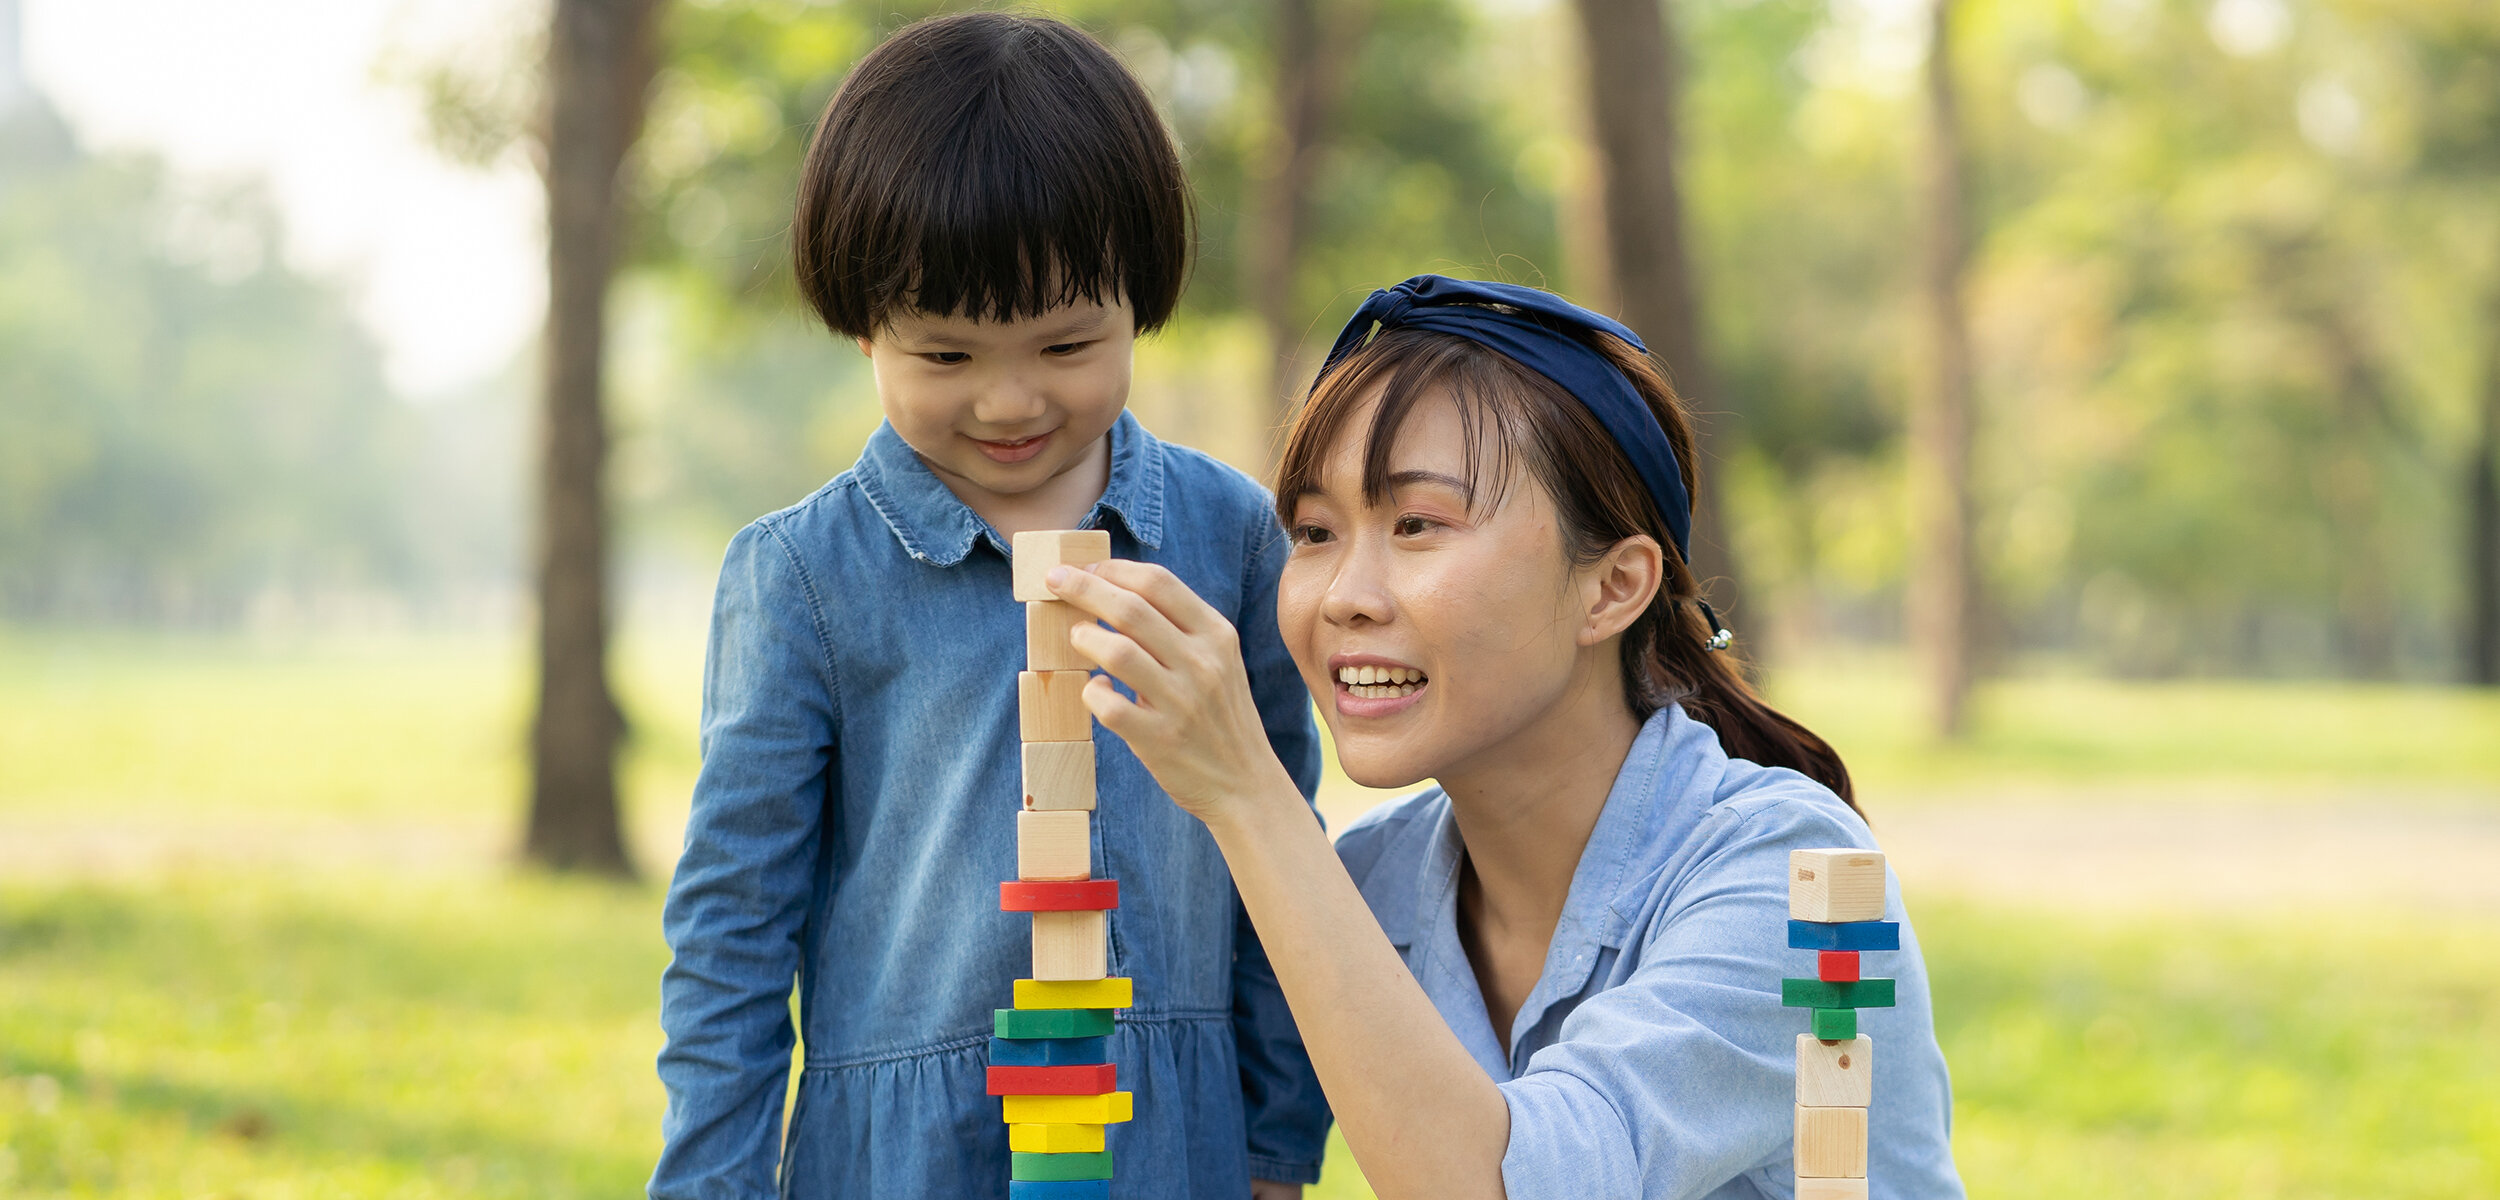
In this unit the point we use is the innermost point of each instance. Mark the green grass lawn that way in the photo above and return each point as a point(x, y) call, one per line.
point(469, 1032)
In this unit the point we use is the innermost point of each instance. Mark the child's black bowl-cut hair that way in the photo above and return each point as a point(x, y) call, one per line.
point(989, 165)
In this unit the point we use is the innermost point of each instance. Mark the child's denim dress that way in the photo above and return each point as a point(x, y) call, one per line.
point(856, 813)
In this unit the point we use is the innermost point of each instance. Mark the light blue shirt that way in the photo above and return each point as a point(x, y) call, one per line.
point(1653, 1058)
point(856, 812)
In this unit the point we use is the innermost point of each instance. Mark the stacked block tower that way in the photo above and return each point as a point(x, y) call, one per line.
point(1836, 909)
point(1049, 1062)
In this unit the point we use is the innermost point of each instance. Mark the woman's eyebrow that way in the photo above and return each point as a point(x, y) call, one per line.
point(1399, 479)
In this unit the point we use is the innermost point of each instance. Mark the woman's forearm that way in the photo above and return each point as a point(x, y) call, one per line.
point(1421, 1116)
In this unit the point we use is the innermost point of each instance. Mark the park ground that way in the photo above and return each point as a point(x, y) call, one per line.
point(260, 935)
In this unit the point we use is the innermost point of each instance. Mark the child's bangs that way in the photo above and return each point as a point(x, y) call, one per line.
point(1403, 368)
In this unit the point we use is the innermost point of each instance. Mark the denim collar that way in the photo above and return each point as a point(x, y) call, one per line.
point(937, 527)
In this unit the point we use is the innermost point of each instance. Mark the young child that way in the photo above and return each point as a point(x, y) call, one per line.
point(993, 211)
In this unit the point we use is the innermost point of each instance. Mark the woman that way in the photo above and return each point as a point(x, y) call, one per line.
point(1556, 972)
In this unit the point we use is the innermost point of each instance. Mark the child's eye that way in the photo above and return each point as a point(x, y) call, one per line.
point(1064, 349)
point(948, 357)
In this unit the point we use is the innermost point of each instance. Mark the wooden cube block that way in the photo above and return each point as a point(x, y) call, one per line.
point(1059, 775)
point(1110, 1108)
point(1835, 885)
point(1837, 966)
point(1038, 550)
point(1050, 705)
point(1071, 945)
point(1831, 1143)
point(1831, 1189)
point(1054, 845)
point(1046, 645)
point(1835, 1024)
point(1835, 1074)
point(1054, 1139)
point(1075, 993)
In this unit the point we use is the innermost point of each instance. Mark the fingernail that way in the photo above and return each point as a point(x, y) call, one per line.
point(1058, 575)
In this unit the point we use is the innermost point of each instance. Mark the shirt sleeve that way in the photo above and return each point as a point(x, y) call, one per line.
point(1682, 1077)
point(1287, 1115)
point(739, 899)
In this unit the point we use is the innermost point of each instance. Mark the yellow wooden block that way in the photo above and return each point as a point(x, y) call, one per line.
point(1074, 993)
point(1055, 1139)
point(1837, 885)
point(1109, 1108)
point(1071, 945)
point(1054, 845)
point(1831, 1143)
point(1038, 550)
point(1050, 706)
point(1835, 1074)
point(1830, 1189)
point(1059, 775)
point(1046, 645)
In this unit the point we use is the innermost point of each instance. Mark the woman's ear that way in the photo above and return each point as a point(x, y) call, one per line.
point(1620, 585)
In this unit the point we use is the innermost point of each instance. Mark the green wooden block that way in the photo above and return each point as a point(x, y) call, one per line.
point(1820, 993)
point(1054, 1168)
point(1835, 1024)
point(1053, 1022)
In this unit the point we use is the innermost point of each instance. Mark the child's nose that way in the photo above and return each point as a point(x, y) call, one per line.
point(1009, 401)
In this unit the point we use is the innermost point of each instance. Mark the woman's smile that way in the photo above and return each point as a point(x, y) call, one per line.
point(1371, 686)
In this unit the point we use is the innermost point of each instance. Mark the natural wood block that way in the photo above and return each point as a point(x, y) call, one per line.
point(1054, 1139)
point(1835, 1074)
point(1831, 1143)
point(1027, 1024)
point(1054, 845)
point(1075, 993)
point(1059, 775)
point(1836, 885)
point(1038, 550)
point(1071, 895)
point(1071, 945)
point(1050, 705)
point(1837, 966)
point(1110, 1108)
point(1830, 1189)
point(1852, 935)
point(1046, 645)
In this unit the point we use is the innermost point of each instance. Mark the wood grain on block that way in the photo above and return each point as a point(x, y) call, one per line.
point(1054, 845)
point(1075, 993)
point(1110, 1108)
point(1059, 775)
point(1046, 645)
point(1831, 1143)
point(1836, 885)
point(1831, 1189)
point(1054, 1139)
point(1050, 706)
point(1070, 945)
point(1058, 896)
point(1038, 550)
point(1835, 1074)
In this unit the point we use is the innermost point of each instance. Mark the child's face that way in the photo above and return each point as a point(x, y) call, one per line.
point(1000, 409)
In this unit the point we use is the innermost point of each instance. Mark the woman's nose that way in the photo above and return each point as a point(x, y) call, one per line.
point(1357, 593)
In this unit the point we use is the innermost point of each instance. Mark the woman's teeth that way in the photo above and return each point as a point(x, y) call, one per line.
point(1380, 683)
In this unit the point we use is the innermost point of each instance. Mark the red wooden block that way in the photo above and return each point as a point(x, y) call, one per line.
point(1836, 966)
point(1077, 895)
point(1093, 1079)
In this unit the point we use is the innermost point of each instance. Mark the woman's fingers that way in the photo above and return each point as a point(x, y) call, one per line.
point(1126, 611)
point(1164, 590)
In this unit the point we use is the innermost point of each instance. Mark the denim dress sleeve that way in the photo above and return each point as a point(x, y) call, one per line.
point(1287, 1115)
point(743, 888)
point(1682, 1078)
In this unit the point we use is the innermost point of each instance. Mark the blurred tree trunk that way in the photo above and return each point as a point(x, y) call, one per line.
point(1310, 73)
point(2482, 504)
point(1633, 77)
point(600, 59)
point(1944, 584)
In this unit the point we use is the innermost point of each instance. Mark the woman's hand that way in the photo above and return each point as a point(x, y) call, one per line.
point(1193, 723)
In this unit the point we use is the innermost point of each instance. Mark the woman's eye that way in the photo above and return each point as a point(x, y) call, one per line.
point(1308, 535)
point(1410, 526)
point(948, 357)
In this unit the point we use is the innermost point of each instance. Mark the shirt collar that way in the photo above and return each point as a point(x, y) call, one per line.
point(937, 527)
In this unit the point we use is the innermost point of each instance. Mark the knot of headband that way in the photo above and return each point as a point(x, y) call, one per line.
point(1546, 334)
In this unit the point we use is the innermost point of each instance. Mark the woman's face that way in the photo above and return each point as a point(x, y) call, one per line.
point(1432, 631)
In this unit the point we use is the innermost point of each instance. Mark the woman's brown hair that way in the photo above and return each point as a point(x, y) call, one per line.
point(1597, 493)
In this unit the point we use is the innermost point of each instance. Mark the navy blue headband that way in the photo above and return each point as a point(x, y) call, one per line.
point(1535, 329)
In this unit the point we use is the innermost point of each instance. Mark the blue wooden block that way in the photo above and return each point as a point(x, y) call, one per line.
point(1848, 935)
point(1059, 1189)
point(1048, 1052)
